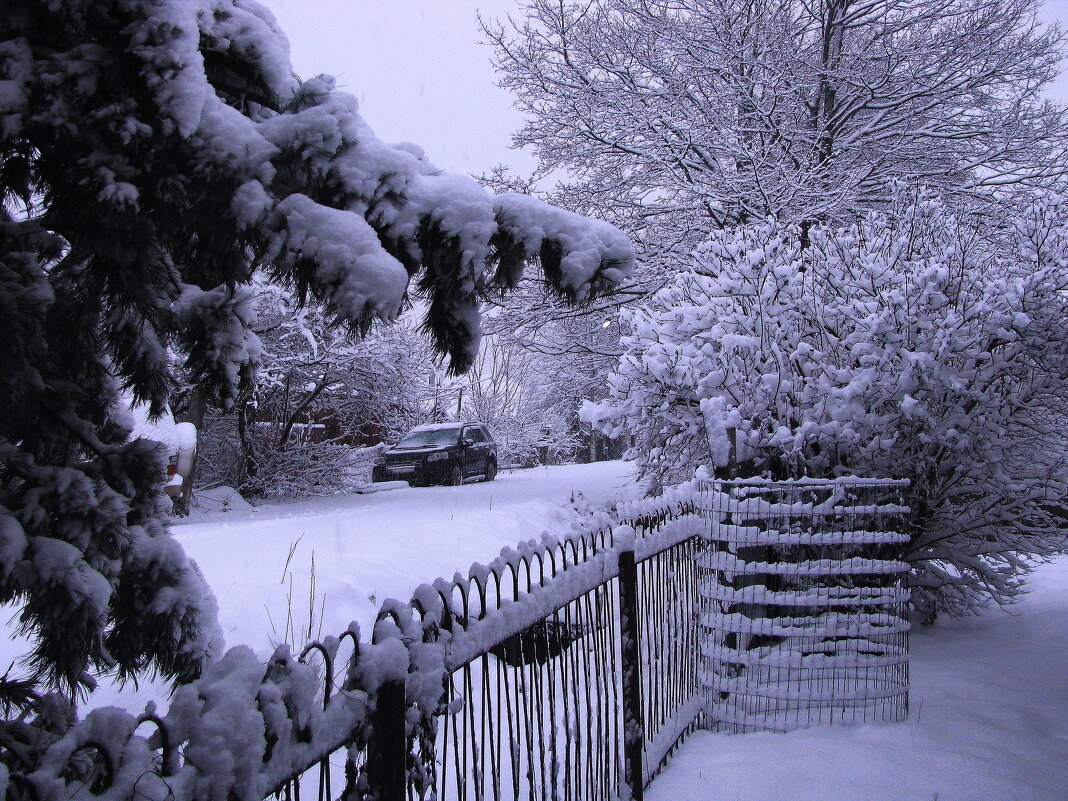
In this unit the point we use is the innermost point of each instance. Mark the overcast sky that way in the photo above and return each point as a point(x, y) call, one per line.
point(422, 75)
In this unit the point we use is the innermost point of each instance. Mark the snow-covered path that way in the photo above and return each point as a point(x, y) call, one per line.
point(367, 548)
point(989, 722)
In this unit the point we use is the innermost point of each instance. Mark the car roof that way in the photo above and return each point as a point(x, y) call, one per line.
point(436, 426)
point(440, 426)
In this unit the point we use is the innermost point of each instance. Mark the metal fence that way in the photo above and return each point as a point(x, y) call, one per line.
point(569, 670)
point(804, 617)
point(565, 669)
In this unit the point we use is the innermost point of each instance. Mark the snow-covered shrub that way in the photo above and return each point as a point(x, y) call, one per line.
point(919, 344)
point(306, 469)
point(221, 499)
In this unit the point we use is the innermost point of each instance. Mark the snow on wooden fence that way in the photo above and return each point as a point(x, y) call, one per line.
point(804, 604)
point(567, 668)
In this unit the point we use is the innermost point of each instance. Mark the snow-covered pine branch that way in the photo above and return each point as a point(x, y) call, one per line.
point(156, 154)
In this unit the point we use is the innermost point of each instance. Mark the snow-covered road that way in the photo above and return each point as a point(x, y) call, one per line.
point(367, 548)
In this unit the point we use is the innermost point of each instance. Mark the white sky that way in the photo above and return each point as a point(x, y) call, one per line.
point(422, 75)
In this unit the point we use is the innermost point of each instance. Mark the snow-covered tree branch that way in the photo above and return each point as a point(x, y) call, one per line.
point(673, 117)
point(321, 403)
point(155, 155)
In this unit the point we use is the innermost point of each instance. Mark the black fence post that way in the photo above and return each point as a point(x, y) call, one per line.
point(633, 731)
point(387, 750)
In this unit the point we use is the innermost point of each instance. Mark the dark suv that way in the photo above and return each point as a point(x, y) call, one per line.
point(446, 453)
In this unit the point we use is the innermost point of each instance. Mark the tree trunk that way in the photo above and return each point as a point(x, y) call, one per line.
point(249, 467)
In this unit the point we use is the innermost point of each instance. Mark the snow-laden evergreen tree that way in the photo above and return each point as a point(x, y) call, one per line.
point(154, 154)
point(914, 344)
point(671, 117)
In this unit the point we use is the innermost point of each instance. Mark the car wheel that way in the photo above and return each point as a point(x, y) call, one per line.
point(455, 477)
point(491, 470)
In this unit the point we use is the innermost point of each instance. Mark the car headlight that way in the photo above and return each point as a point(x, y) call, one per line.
point(437, 457)
point(378, 461)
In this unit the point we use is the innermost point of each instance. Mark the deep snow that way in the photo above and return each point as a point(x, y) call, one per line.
point(367, 548)
point(989, 694)
point(988, 723)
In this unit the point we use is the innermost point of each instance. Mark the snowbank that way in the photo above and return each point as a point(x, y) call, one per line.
point(221, 499)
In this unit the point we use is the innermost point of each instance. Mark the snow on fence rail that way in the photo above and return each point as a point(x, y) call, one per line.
point(566, 668)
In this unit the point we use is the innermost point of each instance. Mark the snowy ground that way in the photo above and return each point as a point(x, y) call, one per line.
point(989, 723)
point(989, 694)
point(367, 548)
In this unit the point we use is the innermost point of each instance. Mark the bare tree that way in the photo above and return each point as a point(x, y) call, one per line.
point(674, 117)
point(324, 398)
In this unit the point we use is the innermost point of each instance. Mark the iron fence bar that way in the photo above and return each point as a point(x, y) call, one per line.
point(465, 716)
point(387, 752)
point(593, 722)
point(566, 687)
point(630, 657)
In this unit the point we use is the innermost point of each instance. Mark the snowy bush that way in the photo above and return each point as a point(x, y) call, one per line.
point(918, 344)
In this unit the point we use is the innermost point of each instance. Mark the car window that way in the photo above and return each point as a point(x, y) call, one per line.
point(428, 438)
point(474, 434)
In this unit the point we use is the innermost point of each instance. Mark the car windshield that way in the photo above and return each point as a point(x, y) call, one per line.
point(430, 438)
